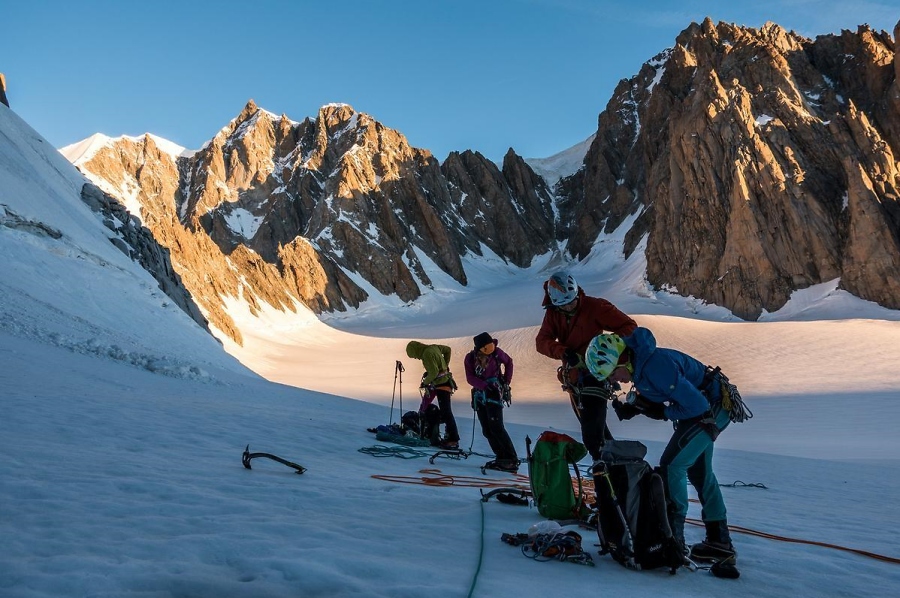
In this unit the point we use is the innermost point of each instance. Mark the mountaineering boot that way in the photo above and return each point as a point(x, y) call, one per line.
point(712, 551)
point(505, 465)
point(450, 445)
point(717, 546)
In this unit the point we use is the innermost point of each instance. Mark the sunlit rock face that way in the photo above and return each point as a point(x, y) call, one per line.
point(745, 163)
point(759, 161)
point(280, 211)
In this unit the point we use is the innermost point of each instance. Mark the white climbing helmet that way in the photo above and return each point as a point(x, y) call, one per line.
point(562, 288)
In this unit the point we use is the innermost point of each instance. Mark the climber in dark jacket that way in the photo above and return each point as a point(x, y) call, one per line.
point(571, 320)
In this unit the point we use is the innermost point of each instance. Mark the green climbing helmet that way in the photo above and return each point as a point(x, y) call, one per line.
point(603, 354)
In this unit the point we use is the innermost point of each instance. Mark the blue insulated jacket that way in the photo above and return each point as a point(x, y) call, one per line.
point(669, 376)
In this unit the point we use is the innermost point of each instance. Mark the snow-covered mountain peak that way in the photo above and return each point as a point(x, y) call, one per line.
point(82, 151)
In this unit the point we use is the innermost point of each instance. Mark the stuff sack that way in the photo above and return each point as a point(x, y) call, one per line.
point(551, 482)
point(632, 520)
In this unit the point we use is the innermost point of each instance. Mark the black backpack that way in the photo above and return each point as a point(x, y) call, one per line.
point(426, 426)
point(632, 520)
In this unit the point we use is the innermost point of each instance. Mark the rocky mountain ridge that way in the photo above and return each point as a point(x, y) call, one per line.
point(760, 162)
point(278, 211)
point(747, 162)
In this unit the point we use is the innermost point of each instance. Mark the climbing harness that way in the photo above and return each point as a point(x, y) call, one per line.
point(572, 388)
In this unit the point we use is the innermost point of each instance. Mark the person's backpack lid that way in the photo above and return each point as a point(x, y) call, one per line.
point(623, 450)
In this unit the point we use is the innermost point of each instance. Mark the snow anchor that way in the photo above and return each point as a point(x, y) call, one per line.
point(245, 459)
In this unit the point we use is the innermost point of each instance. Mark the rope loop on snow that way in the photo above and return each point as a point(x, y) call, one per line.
point(403, 452)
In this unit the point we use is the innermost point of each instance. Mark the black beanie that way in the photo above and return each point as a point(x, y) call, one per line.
point(482, 339)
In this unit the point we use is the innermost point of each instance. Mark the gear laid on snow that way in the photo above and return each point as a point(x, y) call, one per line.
point(449, 453)
point(559, 546)
point(247, 456)
point(509, 496)
point(435, 477)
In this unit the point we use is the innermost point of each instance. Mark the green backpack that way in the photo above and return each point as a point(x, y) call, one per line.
point(551, 482)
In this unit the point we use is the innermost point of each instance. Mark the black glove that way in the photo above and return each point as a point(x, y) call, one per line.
point(571, 357)
point(624, 411)
point(655, 411)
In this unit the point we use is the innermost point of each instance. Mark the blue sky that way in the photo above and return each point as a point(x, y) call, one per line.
point(484, 75)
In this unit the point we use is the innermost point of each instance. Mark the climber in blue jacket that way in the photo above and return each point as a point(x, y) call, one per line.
point(671, 385)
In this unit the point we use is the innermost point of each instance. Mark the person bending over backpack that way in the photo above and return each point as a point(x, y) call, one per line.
point(437, 382)
point(571, 320)
point(671, 385)
point(489, 371)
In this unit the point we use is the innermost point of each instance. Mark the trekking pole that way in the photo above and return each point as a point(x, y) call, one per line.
point(398, 372)
point(474, 417)
point(401, 370)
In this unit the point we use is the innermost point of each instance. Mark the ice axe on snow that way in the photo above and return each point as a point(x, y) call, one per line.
point(245, 459)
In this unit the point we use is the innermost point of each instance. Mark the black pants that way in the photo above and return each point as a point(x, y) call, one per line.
point(451, 432)
point(490, 415)
point(590, 404)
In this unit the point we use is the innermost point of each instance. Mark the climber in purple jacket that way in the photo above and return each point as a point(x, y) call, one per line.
point(489, 371)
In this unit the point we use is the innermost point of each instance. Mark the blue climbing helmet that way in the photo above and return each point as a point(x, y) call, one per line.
point(562, 288)
point(603, 355)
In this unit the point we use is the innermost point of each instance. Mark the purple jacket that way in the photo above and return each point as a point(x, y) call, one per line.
point(476, 374)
